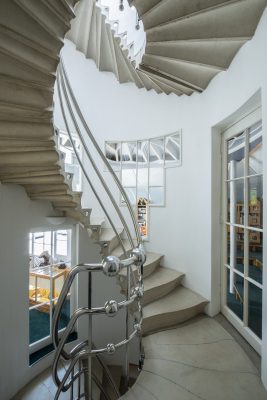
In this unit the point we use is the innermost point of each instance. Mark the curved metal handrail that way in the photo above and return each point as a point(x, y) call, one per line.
point(96, 169)
point(82, 166)
point(85, 349)
point(102, 156)
point(83, 354)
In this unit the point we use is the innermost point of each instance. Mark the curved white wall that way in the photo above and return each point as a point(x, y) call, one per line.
point(186, 229)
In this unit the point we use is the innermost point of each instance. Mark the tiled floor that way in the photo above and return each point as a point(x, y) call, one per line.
point(197, 360)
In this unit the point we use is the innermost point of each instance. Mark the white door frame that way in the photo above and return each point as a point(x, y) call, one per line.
point(242, 326)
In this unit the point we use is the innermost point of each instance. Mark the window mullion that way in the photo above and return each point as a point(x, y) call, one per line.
point(246, 232)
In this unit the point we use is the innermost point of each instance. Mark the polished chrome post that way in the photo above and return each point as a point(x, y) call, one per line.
point(71, 388)
point(128, 295)
point(90, 333)
point(79, 380)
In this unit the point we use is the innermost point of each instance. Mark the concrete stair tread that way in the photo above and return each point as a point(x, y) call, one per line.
point(162, 276)
point(107, 234)
point(96, 221)
point(151, 258)
point(118, 252)
point(179, 299)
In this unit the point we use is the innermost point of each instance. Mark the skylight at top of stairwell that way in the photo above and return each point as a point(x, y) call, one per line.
point(125, 22)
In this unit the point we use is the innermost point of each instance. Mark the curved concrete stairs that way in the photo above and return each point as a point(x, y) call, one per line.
point(31, 36)
point(166, 302)
point(188, 42)
point(30, 40)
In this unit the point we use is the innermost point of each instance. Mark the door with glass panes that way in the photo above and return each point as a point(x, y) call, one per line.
point(242, 261)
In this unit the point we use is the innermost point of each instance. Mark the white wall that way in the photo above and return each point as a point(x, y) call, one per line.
point(187, 229)
point(18, 216)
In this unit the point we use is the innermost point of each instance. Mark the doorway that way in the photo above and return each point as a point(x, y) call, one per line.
point(242, 225)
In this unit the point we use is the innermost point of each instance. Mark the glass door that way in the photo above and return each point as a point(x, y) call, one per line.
point(50, 262)
point(242, 263)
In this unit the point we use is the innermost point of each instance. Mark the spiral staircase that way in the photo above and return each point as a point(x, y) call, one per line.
point(31, 36)
point(183, 53)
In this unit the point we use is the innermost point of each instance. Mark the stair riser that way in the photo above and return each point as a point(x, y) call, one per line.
point(28, 27)
point(16, 93)
point(25, 131)
point(43, 16)
point(160, 291)
point(17, 112)
point(148, 270)
point(224, 24)
point(27, 54)
point(41, 158)
point(168, 320)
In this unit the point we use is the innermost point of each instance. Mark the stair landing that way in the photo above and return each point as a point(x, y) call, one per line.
point(196, 360)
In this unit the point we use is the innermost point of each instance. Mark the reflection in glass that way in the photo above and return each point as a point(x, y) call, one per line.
point(131, 194)
point(142, 183)
point(236, 156)
point(235, 293)
point(128, 177)
point(173, 148)
point(156, 196)
point(39, 323)
point(156, 151)
point(142, 153)
point(235, 247)
point(255, 255)
point(255, 309)
point(235, 202)
point(255, 149)
point(113, 154)
point(128, 180)
point(255, 190)
point(156, 177)
point(128, 153)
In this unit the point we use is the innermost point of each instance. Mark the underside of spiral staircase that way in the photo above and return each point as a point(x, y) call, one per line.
point(31, 36)
point(187, 42)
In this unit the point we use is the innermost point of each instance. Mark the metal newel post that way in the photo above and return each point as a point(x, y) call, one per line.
point(90, 333)
point(128, 294)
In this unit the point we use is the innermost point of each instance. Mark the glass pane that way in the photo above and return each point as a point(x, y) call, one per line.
point(61, 245)
point(235, 293)
point(128, 177)
point(172, 149)
point(38, 243)
point(255, 309)
point(131, 194)
point(255, 149)
point(142, 183)
point(65, 314)
point(255, 189)
point(113, 151)
point(236, 156)
point(235, 248)
point(156, 196)
point(39, 323)
point(142, 149)
point(156, 177)
point(235, 203)
point(255, 255)
point(129, 153)
point(156, 151)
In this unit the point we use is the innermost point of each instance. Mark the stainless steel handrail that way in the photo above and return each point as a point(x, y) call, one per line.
point(96, 169)
point(59, 79)
point(83, 354)
point(102, 156)
point(110, 266)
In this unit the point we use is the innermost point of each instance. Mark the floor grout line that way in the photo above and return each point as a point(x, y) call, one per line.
point(204, 369)
point(176, 383)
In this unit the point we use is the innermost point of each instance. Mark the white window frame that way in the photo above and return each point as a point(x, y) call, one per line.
point(164, 164)
point(47, 340)
point(242, 326)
